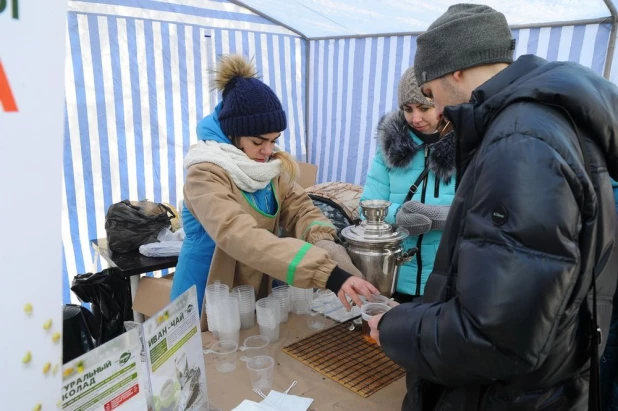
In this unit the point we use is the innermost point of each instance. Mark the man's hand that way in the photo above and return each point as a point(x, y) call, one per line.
point(373, 325)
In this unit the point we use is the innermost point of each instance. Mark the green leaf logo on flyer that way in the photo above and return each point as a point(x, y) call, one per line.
point(124, 358)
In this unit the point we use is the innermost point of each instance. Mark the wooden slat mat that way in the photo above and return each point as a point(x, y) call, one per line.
point(345, 357)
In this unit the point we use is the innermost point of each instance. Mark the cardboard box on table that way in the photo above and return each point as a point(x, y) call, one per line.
point(153, 294)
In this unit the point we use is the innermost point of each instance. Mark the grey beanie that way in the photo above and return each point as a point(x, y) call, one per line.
point(467, 35)
point(408, 91)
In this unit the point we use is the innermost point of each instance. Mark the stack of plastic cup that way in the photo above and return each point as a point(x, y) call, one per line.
point(246, 303)
point(268, 311)
point(228, 318)
point(301, 300)
point(214, 293)
point(282, 295)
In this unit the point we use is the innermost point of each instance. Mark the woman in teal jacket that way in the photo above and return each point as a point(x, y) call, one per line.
point(408, 144)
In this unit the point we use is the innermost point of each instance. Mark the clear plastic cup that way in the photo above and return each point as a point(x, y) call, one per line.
point(289, 292)
point(214, 294)
point(254, 346)
point(247, 320)
point(228, 318)
point(268, 308)
point(368, 311)
point(282, 295)
point(261, 371)
point(315, 320)
point(225, 355)
point(233, 335)
point(246, 305)
point(301, 299)
point(268, 317)
point(376, 298)
point(270, 331)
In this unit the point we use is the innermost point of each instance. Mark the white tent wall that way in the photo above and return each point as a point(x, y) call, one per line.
point(614, 69)
point(353, 83)
point(136, 86)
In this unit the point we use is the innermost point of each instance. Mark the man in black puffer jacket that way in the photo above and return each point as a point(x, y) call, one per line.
point(506, 319)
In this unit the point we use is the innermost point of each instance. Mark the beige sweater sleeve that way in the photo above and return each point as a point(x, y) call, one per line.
point(303, 219)
point(209, 195)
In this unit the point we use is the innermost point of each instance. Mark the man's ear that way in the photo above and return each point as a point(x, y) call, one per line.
point(458, 76)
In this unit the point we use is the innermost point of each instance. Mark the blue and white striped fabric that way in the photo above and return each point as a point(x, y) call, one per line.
point(353, 82)
point(137, 82)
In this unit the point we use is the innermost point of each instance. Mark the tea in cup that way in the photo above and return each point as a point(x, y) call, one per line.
point(368, 311)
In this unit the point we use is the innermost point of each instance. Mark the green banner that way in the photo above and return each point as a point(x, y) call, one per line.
point(108, 392)
point(95, 387)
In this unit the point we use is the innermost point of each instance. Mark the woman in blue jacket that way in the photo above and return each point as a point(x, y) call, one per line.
point(240, 189)
point(411, 152)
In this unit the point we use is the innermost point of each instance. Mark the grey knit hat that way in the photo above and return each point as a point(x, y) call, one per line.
point(467, 35)
point(408, 91)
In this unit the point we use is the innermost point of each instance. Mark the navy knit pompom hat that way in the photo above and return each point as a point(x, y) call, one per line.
point(250, 107)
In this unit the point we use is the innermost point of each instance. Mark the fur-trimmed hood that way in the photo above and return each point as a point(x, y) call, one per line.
point(399, 148)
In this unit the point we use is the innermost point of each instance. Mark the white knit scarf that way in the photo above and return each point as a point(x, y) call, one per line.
point(248, 175)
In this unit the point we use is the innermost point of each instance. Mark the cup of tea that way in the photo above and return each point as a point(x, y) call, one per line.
point(169, 395)
point(368, 311)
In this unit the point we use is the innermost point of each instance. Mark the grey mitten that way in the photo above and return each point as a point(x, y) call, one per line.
point(339, 254)
point(419, 218)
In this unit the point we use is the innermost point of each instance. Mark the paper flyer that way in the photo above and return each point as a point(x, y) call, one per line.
point(175, 358)
point(107, 378)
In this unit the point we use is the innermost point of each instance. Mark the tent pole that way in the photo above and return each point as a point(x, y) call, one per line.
point(307, 67)
point(611, 47)
point(266, 16)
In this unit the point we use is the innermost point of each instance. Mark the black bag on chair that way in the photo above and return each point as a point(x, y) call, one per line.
point(130, 224)
point(109, 294)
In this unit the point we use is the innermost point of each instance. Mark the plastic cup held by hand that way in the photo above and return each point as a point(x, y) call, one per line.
point(368, 311)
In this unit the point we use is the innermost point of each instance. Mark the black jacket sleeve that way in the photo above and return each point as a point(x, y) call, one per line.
point(513, 279)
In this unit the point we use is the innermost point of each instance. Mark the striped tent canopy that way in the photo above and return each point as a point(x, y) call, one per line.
point(138, 81)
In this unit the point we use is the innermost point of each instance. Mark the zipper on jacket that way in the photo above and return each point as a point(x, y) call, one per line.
point(419, 242)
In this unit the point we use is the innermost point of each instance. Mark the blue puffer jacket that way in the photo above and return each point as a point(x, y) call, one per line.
point(198, 247)
point(399, 161)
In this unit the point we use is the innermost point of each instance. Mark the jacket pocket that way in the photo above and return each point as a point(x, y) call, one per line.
point(430, 395)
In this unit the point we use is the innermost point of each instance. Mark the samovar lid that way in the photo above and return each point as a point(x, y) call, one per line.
point(374, 230)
